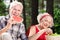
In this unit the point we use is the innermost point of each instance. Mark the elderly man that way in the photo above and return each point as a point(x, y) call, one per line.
point(10, 27)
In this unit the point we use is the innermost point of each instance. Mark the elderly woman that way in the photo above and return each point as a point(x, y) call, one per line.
point(11, 26)
point(39, 31)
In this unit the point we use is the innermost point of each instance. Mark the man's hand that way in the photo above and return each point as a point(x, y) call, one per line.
point(11, 21)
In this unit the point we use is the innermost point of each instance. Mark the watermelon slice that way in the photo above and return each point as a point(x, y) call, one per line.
point(18, 19)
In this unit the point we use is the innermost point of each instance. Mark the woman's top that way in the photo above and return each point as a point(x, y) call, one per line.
point(42, 37)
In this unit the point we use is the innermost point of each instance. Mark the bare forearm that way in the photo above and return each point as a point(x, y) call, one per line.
point(5, 28)
point(35, 36)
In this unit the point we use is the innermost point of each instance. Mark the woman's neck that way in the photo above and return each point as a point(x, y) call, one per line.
point(39, 26)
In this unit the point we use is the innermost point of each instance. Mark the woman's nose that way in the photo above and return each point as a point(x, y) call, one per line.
point(46, 23)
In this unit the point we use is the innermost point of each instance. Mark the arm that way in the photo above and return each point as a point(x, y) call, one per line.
point(8, 26)
point(22, 31)
point(33, 35)
point(5, 28)
point(49, 31)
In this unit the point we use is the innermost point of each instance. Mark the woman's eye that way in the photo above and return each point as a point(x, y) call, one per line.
point(46, 20)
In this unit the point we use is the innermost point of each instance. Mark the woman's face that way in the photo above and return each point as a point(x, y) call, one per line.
point(46, 22)
point(16, 10)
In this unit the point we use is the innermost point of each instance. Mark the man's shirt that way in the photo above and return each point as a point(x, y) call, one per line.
point(16, 31)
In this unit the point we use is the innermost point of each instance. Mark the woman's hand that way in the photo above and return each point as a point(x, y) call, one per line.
point(49, 31)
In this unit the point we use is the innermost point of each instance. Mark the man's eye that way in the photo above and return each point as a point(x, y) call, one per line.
point(14, 9)
point(18, 10)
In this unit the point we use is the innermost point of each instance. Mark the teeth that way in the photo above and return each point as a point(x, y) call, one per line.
point(14, 14)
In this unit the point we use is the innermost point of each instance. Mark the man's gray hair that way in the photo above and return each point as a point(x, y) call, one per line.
point(15, 3)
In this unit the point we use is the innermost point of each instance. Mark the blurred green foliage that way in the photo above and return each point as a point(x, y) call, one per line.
point(2, 8)
point(42, 11)
point(57, 17)
point(28, 13)
point(57, 20)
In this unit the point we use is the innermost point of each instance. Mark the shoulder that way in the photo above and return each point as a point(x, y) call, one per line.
point(32, 30)
point(2, 19)
point(2, 22)
point(33, 27)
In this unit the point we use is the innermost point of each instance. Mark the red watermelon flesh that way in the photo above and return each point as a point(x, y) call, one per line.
point(17, 19)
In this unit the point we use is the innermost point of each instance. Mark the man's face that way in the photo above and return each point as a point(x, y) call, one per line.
point(16, 10)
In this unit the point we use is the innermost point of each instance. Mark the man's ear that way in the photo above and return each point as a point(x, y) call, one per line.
point(9, 9)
